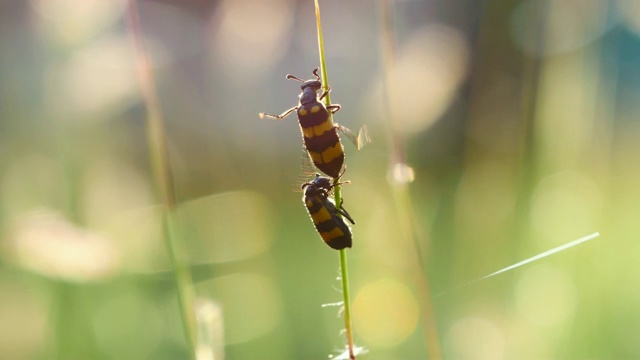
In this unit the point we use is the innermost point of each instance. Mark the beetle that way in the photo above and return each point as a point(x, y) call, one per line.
point(325, 215)
point(319, 133)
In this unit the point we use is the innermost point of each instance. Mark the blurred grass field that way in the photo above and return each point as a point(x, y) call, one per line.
point(518, 120)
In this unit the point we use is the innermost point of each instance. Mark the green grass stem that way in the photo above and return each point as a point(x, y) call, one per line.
point(162, 176)
point(409, 231)
point(344, 273)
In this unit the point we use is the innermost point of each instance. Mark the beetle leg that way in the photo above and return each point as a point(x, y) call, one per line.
point(333, 108)
point(337, 181)
point(344, 213)
point(325, 93)
point(346, 182)
point(278, 117)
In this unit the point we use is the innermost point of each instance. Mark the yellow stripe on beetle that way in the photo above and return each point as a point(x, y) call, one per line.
point(328, 155)
point(319, 132)
point(316, 157)
point(322, 215)
point(323, 128)
point(336, 232)
point(310, 132)
point(327, 219)
point(332, 153)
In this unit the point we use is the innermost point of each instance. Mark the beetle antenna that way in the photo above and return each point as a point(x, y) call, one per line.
point(315, 72)
point(291, 77)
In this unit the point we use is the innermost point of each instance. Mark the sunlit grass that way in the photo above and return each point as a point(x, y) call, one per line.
point(399, 176)
point(163, 178)
point(344, 272)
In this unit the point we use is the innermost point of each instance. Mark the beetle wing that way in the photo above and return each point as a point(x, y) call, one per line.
point(360, 139)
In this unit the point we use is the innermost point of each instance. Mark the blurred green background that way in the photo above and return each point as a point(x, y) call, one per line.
point(518, 120)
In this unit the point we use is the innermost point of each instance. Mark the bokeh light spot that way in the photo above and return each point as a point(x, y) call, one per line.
point(430, 67)
point(475, 339)
point(385, 313)
point(401, 173)
point(45, 242)
point(116, 199)
point(565, 205)
point(111, 188)
point(72, 22)
point(96, 77)
point(250, 36)
point(210, 319)
point(545, 295)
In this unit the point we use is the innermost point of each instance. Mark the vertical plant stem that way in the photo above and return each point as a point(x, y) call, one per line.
point(347, 306)
point(408, 226)
point(344, 273)
point(162, 176)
